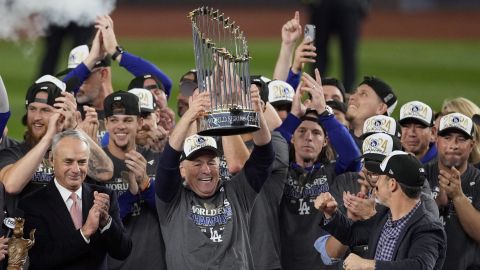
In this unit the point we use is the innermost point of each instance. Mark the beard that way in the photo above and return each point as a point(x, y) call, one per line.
point(452, 162)
point(31, 138)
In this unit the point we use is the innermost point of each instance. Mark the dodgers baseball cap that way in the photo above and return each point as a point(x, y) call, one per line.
point(377, 146)
point(262, 83)
point(383, 90)
point(47, 83)
point(416, 111)
point(78, 55)
point(196, 145)
point(456, 122)
point(145, 97)
point(337, 105)
point(280, 93)
point(381, 123)
point(121, 103)
point(402, 166)
point(138, 82)
point(335, 82)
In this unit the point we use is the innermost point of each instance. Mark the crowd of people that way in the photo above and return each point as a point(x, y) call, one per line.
point(110, 180)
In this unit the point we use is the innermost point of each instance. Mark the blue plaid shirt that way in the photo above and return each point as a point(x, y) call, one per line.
point(390, 232)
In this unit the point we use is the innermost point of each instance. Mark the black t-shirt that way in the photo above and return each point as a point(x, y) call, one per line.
point(43, 174)
point(298, 217)
point(462, 251)
point(142, 224)
point(264, 226)
point(8, 142)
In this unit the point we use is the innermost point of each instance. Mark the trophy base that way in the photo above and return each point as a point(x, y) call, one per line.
point(225, 123)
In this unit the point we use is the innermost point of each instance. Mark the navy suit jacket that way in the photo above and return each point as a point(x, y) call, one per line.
point(58, 245)
point(422, 244)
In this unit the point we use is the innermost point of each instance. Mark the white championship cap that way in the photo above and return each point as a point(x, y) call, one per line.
point(145, 98)
point(418, 111)
point(197, 144)
point(280, 92)
point(458, 122)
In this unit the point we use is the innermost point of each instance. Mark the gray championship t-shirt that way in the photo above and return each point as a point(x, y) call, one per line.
point(264, 226)
point(210, 233)
point(299, 218)
point(462, 251)
point(142, 224)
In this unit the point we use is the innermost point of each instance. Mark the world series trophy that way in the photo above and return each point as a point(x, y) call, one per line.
point(222, 62)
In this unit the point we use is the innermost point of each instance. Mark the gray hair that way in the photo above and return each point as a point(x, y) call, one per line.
point(69, 134)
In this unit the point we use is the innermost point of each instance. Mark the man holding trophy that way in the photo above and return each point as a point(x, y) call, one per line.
point(207, 218)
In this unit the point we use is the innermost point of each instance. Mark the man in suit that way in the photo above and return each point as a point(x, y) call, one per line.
point(77, 224)
point(404, 235)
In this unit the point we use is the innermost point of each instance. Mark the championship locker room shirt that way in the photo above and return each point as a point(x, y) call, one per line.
point(457, 238)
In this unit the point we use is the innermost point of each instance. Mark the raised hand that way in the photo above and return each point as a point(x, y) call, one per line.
point(55, 125)
point(166, 118)
point(451, 183)
point(90, 124)
point(156, 137)
point(292, 30)
point(102, 202)
point(257, 102)
point(314, 87)
point(137, 166)
point(67, 106)
point(298, 109)
point(93, 221)
point(304, 53)
point(97, 51)
point(359, 207)
point(105, 25)
point(198, 104)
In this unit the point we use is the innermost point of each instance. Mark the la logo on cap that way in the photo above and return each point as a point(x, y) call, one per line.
point(117, 98)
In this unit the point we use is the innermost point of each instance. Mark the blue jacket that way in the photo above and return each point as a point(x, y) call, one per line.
point(134, 64)
point(348, 153)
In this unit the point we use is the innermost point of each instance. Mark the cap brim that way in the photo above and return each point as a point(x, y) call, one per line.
point(202, 151)
point(373, 157)
point(146, 110)
point(454, 129)
point(407, 120)
point(373, 166)
point(281, 103)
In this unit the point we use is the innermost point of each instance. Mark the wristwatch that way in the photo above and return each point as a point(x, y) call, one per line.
point(328, 111)
point(118, 50)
